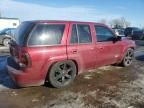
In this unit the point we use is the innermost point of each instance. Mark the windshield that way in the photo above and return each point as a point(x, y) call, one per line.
point(3, 31)
point(22, 32)
point(136, 29)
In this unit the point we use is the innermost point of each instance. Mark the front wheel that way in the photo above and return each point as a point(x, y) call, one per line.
point(6, 42)
point(128, 58)
point(62, 74)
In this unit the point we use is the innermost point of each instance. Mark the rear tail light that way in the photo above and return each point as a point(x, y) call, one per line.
point(24, 60)
point(21, 56)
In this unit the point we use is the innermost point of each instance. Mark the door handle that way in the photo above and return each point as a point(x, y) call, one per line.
point(74, 51)
point(100, 47)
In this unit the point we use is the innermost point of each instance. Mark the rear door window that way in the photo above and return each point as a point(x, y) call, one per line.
point(84, 33)
point(74, 37)
point(46, 34)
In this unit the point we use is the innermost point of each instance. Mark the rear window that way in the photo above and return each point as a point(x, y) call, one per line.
point(46, 34)
point(22, 31)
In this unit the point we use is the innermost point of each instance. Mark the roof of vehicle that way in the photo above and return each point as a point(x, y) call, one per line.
point(62, 21)
point(132, 28)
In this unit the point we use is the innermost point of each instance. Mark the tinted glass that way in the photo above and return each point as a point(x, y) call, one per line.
point(47, 34)
point(74, 37)
point(103, 34)
point(4, 31)
point(84, 34)
point(8, 31)
point(22, 32)
point(136, 29)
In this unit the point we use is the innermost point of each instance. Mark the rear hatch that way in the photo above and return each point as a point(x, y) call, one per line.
point(18, 44)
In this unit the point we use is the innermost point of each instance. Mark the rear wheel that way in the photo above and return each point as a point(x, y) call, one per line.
point(6, 42)
point(62, 74)
point(128, 58)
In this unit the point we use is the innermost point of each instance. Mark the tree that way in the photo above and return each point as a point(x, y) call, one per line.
point(124, 22)
point(115, 23)
point(119, 23)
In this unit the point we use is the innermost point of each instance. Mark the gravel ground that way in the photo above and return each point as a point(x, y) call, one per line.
point(106, 87)
point(4, 50)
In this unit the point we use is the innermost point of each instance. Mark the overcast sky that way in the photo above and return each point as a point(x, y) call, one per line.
point(81, 10)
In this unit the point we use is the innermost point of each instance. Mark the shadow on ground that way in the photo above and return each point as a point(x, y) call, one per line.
point(139, 42)
point(5, 80)
point(139, 55)
point(140, 58)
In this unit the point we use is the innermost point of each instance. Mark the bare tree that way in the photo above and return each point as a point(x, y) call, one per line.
point(124, 22)
point(115, 23)
point(119, 23)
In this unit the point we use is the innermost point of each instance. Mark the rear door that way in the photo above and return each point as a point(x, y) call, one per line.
point(107, 49)
point(81, 45)
point(19, 38)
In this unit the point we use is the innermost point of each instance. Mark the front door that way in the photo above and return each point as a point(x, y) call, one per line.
point(107, 49)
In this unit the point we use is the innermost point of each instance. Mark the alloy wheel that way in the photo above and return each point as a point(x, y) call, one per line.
point(129, 57)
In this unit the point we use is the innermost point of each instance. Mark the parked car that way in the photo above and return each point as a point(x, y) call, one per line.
point(57, 51)
point(6, 35)
point(135, 33)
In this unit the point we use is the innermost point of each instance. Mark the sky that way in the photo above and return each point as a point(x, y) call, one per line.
point(78, 10)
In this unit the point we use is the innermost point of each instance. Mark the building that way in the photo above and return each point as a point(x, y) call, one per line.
point(9, 23)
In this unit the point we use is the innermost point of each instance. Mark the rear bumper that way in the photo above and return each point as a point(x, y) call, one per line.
point(22, 78)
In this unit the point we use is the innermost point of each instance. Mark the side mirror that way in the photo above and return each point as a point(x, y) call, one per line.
point(117, 38)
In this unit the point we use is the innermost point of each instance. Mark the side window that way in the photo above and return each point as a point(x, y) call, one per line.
point(103, 34)
point(74, 37)
point(46, 34)
point(84, 33)
point(8, 32)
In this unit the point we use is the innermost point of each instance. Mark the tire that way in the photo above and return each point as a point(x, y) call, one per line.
point(128, 58)
point(6, 42)
point(62, 74)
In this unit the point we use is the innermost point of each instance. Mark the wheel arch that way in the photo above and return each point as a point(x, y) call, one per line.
point(5, 38)
point(54, 62)
point(77, 67)
point(125, 51)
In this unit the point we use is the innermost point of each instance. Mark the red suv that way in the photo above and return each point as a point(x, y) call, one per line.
point(57, 51)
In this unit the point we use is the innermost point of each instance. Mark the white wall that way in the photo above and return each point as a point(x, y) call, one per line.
point(9, 23)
